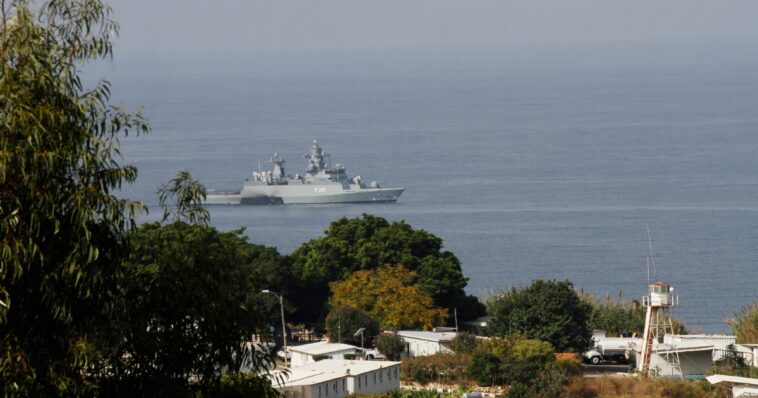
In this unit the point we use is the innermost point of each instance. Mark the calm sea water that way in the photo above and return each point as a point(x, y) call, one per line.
point(529, 163)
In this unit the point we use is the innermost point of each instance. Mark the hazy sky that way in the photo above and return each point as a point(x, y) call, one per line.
point(249, 26)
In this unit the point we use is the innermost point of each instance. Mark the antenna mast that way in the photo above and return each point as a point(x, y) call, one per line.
point(650, 255)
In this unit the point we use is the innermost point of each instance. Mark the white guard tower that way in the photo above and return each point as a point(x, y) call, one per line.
point(657, 324)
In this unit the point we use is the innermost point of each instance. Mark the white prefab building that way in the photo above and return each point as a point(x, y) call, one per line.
point(753, 349)
point(304, 354)
point(677, 360)
point(742, 387)
point(335, 378)
point(420, 343)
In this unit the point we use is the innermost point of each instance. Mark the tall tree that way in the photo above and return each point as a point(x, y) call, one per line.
point(370, 242)
point(550, 311)
point(60, 224)
point(189, 308)
point(390, 295)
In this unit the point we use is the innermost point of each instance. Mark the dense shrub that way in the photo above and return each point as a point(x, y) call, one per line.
point(447, 368)
point(391, 345)
point(464, 343)
point(527, 360)
point(745, 324)
point(485, 368)
point(547, 310)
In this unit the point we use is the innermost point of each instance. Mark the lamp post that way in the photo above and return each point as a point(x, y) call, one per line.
point(284, 326)
point(360, 331)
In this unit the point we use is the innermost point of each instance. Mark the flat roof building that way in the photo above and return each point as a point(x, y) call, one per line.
point(337, 378)
point(305, 354)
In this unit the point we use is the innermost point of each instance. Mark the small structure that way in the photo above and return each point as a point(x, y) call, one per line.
point(691, 359)
point(658, 323)
point(753, 349)
point(420, 343)
point(742, 387)
point(336, 378)
point(307, 353)
point(720, 343)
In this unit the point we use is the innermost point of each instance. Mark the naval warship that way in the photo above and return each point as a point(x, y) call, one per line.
point(321, 183)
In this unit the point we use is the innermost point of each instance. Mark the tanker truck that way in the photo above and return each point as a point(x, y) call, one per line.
point(607, 349)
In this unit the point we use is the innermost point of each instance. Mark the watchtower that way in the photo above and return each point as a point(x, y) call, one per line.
point(658, 323)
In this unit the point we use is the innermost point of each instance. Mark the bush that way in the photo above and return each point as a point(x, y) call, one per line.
point(745, 324)
point(615, 316)
point(547, 310)
point(391, 345)
point(578, 388)
point(667, 388)
point(448, 368)
point(464, 343)
point(527, 360)
point(484, 368)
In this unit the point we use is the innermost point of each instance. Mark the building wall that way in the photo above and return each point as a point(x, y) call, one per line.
point(336, 388)
point(744, 391)
point(378, 381)
point(692, 363)
point(420, 348)
point(300, 358)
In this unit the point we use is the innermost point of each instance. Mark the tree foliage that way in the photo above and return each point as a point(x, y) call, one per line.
point(60, 224)
point(550, 311)
point(615, 316)
point(183, 198)
point(188, 305)
point(390, 344)
point(390, 295)
point(745, 324)
point(343, 322)
point(370, 242)
point(464, 343)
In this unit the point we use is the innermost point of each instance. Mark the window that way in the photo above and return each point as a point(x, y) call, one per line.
point(335, 386)
point(343, 385)
point(319, 390)
point(374, 378)
point(381, 377)
point(359, 382)
point(396, 372)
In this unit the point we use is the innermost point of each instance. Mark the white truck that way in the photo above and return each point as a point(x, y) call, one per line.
point(608, 349)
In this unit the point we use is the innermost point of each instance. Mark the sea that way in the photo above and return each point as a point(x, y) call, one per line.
point(530, 162)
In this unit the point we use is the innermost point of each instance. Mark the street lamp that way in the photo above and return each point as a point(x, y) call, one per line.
point(284, 327)
point(360, 331)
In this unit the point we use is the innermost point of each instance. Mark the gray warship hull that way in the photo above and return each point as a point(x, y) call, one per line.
point(276, 195)
point(322, 183)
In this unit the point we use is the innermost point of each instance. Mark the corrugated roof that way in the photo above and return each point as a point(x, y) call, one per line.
point(322, 348)
point(332, 369)
point(715, 379)
point(428, 336)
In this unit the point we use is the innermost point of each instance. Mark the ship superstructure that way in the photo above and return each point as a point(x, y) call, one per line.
point(321, 183)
